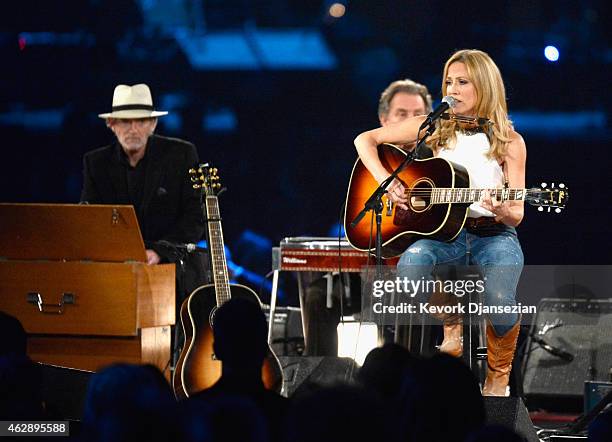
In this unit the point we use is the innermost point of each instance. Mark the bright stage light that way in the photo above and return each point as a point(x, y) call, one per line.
point(356, 339)
point(551, 53)
point(337, 10)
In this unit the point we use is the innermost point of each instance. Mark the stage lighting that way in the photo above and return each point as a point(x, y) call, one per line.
point(337, 10)
point(551, 53)
point(356, 339)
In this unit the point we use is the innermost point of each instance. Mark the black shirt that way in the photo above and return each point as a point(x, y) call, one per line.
point(135, 178)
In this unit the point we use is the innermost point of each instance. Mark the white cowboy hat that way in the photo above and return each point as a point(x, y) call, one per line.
point(132, 102)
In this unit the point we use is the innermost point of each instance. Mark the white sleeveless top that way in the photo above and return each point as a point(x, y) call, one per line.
point(470, 152)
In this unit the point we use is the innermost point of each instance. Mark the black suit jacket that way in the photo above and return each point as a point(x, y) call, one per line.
point(170, 208)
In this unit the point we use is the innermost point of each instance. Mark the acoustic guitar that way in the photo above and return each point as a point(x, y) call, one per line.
point(197, 368)
point(439, 196)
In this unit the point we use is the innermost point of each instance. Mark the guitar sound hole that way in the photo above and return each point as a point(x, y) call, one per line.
point(420, 196)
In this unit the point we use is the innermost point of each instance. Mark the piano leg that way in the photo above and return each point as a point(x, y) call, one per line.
point(272, 304)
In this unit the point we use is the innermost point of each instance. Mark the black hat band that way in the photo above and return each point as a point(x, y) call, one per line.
point(133, 107)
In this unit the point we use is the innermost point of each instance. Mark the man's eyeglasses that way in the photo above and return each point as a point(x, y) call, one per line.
point(138, 122)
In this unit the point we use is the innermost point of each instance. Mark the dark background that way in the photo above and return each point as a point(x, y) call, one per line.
point(283, 138)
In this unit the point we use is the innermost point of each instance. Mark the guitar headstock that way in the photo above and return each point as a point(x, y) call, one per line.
point(548, 197)
point(206, 179)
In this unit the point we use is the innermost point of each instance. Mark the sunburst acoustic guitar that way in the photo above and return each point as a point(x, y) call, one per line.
point(197, 368)
point(439, 195)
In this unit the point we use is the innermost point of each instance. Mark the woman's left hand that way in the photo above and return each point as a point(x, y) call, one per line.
point(499, 209)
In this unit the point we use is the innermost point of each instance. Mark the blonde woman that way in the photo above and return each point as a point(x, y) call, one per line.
point(494, 156)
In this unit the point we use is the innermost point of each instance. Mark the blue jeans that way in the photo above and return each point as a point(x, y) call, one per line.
point(496, 250)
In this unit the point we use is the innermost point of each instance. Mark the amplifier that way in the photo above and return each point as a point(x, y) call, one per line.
point(580, 327)
point(594, 393)
point(287, 331)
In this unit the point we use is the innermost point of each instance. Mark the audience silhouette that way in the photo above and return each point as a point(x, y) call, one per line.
point(341, 412)
point(240, 342)
point(20, 378)
point(440, 401)
point(385, 368)
point(129, 402)
point(397, 397)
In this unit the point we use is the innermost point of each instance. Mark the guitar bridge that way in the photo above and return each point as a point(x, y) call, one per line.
point(389, 205)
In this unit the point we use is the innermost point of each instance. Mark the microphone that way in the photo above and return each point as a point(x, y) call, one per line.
point(567, 356)
point(447, 102)
point(188, 247)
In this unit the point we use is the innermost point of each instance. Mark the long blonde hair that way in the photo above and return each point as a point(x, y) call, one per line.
point(490, 102)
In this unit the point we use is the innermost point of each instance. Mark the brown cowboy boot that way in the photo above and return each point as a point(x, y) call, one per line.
point(453, 338)
point(500, 352)
point(452, 324)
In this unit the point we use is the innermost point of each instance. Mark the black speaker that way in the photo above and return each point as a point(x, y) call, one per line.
point(303, 372)
point(510, 412)
point(64, 391)
point(287, 332)
point(580, 327)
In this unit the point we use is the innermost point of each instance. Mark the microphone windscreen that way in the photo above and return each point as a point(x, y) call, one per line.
point(449, 100)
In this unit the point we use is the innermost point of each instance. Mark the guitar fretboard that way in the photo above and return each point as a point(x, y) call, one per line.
point(440, 195)
point(217, 250)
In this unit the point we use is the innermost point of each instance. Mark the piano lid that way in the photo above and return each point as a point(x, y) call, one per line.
point(70, 232)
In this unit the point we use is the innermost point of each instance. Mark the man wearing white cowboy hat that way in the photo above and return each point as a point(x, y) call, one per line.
point(148, 171)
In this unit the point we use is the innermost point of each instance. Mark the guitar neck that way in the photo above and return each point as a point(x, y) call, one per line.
point(216, 249)
point(440, 195)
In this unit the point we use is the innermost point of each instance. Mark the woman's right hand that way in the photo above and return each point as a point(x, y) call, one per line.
point(396, 192)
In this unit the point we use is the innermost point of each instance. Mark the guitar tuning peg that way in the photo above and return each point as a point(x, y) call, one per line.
point(561, 186)
point(558, 210)
point(540, 209)
point(543, 185)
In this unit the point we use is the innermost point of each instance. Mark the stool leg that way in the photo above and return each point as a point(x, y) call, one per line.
point(471, 337)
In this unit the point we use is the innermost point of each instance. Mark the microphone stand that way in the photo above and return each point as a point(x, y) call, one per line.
point(375, 203)
point(558, 352)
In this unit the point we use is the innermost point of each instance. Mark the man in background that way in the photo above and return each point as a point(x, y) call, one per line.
point(147, 171)
point(320, 295)
point(404, 99)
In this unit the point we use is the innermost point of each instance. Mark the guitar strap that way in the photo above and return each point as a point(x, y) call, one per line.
point(506, 183)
